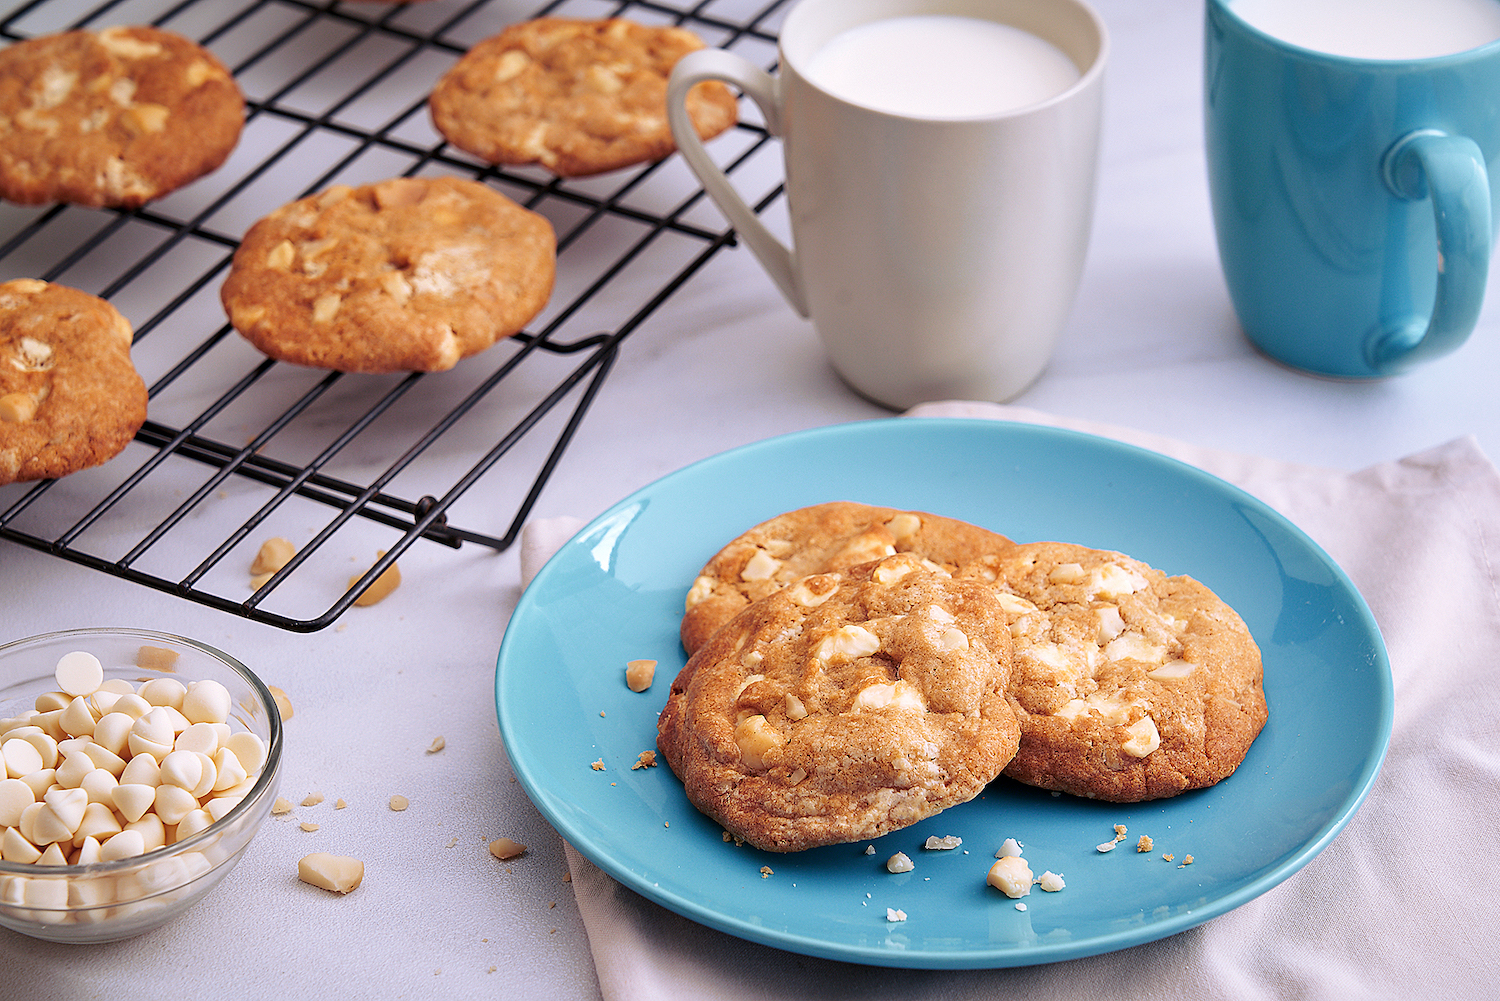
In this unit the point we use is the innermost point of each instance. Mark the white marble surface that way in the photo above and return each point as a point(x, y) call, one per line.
point(1152, 345)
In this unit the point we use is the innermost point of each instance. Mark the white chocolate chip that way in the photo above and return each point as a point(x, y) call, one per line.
point(206, 701)
point(79, 673)
point(880, 695)
point(1011, 848)
point(1114, 581)
point(848, 642)
point(1051, 882)
point(761, 566)
point(1172, 670)
point(810, 592)
point(1066, 573)
point(32, 355)
point(702, 588)
point(895, 914)
point(893, 569)
point(1144, 738)
point(755, 738)
point(899, 862)
point(1109, 623)
point(1134, 646)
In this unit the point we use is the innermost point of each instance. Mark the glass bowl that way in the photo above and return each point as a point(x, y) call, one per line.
point(108, 900)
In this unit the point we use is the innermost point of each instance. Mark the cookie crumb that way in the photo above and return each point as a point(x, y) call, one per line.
point(647, 759)
point(308, 827)
point(1168, 857)
point(766, 872)
point(281, 806)
point(1187, 860)
point(312, 799)
point(598, 766)
point(339, 804)
point(870, 850)
point(1145, 844)
point(399, 802)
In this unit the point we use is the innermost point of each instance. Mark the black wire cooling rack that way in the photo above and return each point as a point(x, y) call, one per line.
point(238, 448)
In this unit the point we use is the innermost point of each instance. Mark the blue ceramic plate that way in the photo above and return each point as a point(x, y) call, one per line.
point(614, 593)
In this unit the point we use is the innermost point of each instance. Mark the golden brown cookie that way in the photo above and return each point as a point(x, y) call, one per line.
point(69, 395)
point(818, 539)
point(845, 706)
point(115, 117)
point(576, 96)
point(409, 274)
point(1130, 685)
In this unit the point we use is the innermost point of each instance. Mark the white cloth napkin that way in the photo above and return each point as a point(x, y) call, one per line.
point(1401, 905)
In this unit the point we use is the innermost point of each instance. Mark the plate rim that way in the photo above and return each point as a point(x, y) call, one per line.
point(1035, 953)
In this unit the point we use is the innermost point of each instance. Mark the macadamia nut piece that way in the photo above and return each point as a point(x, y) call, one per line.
point(338, 873)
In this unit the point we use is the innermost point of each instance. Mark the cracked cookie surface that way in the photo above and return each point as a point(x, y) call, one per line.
point(407, 274)
point(578, 97)
point(70, 397)
point(845, 706)
point(1130, 685)
point(116, 117)
point(818, 539)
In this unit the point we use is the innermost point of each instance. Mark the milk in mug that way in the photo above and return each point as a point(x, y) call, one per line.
point(1377, 29)
point(941, 66)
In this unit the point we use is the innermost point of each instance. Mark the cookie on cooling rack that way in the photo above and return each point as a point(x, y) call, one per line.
point(408, 274)
point(578, 97)
point(116, 117)
point(69, 396)
point(1130, 685)
point(845, 706)
point(818, 539)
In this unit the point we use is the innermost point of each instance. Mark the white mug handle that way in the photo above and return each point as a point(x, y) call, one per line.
point(765, 91)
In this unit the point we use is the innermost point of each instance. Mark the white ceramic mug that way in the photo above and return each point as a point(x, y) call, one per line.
point(938, 257)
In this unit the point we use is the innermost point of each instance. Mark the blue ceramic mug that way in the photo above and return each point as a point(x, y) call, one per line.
point(1352, 197)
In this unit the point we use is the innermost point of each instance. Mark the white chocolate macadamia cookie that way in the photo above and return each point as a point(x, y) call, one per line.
point(1130, 685)
point(844, 706)
point(820, 539)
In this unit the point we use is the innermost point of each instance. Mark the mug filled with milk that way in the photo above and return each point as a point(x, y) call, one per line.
point(940, 170)
point(1353, 149)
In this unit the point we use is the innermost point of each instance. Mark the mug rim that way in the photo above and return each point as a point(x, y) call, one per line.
point(1366, 63)
point(871, 13)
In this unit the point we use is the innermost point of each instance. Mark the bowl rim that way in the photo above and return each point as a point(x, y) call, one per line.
point(268, 773)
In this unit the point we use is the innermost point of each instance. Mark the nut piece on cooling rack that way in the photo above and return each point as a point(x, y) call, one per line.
point(408, 274)
point(69, 396)
point(116, 117)
point(578, 97)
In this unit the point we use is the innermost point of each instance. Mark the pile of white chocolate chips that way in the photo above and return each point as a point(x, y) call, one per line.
point(102, 769)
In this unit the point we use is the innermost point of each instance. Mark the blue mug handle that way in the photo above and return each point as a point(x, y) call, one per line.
point(1451, 169)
